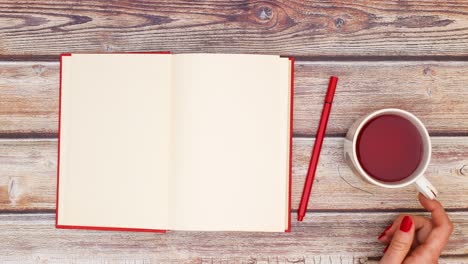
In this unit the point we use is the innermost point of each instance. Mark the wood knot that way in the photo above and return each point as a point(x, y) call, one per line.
point(108, 48)
point(13, 191)
point(428, 71)
point(264, 13)
point(464, 170)
point(271, 17)
point(429, 91)
point(339, 22)
point(298, 260)
point(38, 69)
point(252, 260)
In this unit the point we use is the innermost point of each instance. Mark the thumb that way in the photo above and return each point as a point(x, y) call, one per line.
point(401, 243)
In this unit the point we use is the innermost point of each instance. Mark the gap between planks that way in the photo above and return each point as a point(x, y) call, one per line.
point(298, 59)
point(293, 211)
point(54, 136)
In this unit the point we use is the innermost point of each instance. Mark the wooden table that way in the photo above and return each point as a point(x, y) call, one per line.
point(409, 54)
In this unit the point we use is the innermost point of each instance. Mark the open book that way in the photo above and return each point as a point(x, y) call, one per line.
point(151, 142)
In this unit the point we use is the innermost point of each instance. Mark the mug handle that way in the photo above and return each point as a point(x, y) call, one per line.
point(426, 188)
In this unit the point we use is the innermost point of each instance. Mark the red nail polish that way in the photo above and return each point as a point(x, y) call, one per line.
point(381, 235)
point(388, 227)
point(406, 224)
point(385, 249)
point(385, 231)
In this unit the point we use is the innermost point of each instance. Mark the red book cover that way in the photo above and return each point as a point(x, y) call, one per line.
point(291, 114)
point(159, 230)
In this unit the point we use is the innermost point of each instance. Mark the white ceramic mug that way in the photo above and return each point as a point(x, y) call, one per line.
point(423, 185)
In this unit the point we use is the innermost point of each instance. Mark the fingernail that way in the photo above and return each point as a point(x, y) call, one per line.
point(406, 224)
point(385, 231)
point(381, 235)
point(385, 249)
point(388, 227)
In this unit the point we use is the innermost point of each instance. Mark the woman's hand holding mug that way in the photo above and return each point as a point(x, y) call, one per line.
point(417, 239)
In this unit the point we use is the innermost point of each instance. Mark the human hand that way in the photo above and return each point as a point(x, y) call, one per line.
point(417, 239)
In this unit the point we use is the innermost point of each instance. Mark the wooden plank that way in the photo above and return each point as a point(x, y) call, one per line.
point(346, 235)
point(434, 91)
point(443, 260)
point(29, 93)
point(28, 174)
point(336, 187)
point(322, 259)
point(326, 28)
point(27, 177)
point(274, 259)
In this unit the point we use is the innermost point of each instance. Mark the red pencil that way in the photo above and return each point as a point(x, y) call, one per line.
point(317, 147)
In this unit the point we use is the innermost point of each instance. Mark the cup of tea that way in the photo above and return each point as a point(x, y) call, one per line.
point(390, 148)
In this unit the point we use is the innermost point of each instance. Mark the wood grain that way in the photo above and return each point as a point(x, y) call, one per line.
point(28, 177)
point(434, 91)
point(349, 235)
point(443, 260)
point(346, 214)
point(28, 174)
point(299, 28)
point(29, 98)
point(253, 259)
point(337, 188)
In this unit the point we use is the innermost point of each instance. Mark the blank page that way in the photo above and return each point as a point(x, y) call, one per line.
point(115, 141)
point(231, 135)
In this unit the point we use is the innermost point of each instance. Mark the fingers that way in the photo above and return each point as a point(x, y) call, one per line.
point(443, 227)
point(423, 227)
point(439, 217)
point(401, 242)
point(432, 235)
point(423, 254)
point(387, 234)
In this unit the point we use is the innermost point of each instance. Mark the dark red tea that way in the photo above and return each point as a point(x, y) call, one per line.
point(389, 148)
